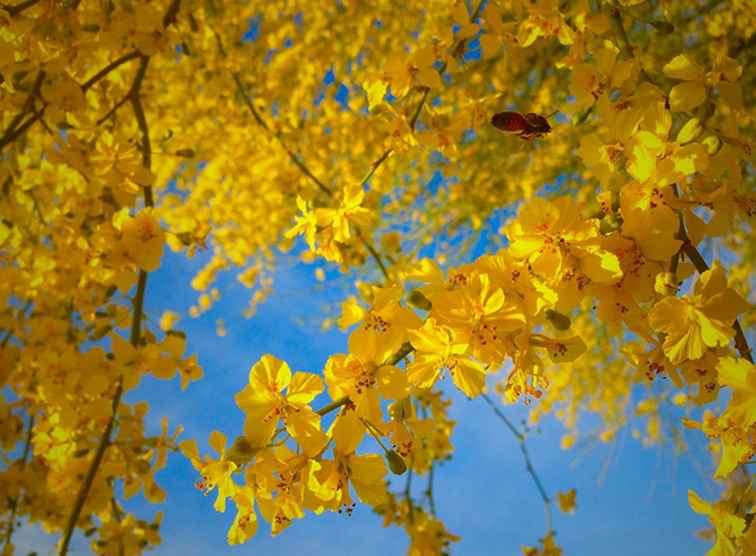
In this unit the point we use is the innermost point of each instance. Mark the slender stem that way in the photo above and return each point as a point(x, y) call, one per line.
point(118, 517)
point(325, 410)
point(429, 487)
point(374, 167)
point(171, 14)
point(403, 352)
point(626, 46)
point(89, 83)
point(18, 118)
point(136, 104)
point(408, 494)
point(9, 332)
point(429, 491)
point(277, 136)
point(741, 343)
point(136, 322)
point(11, 134)
point(526, 456)
point(14, 502)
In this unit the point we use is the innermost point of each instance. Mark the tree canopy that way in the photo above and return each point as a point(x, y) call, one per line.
point(599, 150)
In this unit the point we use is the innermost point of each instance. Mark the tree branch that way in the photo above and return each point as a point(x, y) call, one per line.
point(14, 502)
point(741, 343)
point(136, 322)
point(277, 136)
point(627, 48)
point(11, 134)
point(109, 68)
point(16, 9)
point(687, 247)
point(526, 456)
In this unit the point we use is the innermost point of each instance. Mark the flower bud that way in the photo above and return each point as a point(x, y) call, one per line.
point(395, 462)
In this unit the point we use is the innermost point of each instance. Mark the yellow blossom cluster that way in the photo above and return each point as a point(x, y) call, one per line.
point(590, 264)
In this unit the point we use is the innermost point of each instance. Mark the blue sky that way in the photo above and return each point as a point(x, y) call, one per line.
point(484, 494)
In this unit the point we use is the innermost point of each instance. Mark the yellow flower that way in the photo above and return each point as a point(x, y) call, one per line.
point(728, 526)
point(364, 381)
point(214, 472)
point(264, 404)
point(244, 526)
point(365, 473)
point(481, 314)
point(143, 239)
point(740, 375)
point(693, 324)
point(438, 350)
point(691, 92)
point(590, 81)
point(649, 220)
point(548, 234)
point(566, 501)
point(383, 327)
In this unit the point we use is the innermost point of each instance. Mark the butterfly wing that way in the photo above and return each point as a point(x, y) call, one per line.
point(511, 122)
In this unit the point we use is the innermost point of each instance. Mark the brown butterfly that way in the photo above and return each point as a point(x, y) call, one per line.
point(526, 126)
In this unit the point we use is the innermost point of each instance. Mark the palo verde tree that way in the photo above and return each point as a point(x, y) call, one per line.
point(619, 132)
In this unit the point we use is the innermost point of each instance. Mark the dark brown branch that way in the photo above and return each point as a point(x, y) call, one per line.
point(171, 13)
point(11, 134)
point(136, 322)
point(687, 247)
point(16, 9)
point(107, 69)
point(741, 343)
point(18, 118)
point(9, 332)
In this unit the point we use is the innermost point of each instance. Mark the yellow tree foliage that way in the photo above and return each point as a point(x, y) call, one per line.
point(623, 151)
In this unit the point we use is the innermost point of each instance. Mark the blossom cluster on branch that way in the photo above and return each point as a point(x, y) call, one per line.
point(363, 131)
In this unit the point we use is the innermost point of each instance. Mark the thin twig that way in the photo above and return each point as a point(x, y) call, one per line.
point(526, 456)
point(14, 501)
point(429, 491)
point(18, 118)
point(136, 104)
point(408, 494)
point(89, 83)
point(403, 352)
point(429, 487)
point(687, 247)
point(325, 410)
point(741, 343)
point(626, 46)
point(118, 517)
point(11, 134)
point(136, 322)
point(9, 332)
point(277, 136)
